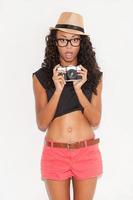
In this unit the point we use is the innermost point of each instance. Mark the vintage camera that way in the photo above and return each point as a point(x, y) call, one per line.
point(70, 73)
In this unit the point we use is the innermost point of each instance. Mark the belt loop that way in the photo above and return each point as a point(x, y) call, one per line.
point(45, 141)
point(85, 143)
point(51, 143)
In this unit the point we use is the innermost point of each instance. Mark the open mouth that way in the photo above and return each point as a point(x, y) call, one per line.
point(68, 54)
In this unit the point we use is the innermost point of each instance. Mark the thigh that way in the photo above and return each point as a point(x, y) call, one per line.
point(58, 190)
point(84, 189)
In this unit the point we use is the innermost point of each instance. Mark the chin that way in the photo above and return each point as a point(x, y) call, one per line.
point(69, 59)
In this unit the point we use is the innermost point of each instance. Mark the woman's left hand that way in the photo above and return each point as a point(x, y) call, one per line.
point(78, 83)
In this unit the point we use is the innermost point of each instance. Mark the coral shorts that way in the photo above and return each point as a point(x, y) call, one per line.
point(62, 163)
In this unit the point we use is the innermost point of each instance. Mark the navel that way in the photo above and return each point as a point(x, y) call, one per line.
point(69, 129)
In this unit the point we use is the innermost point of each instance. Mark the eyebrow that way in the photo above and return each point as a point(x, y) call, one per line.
point(66, 36)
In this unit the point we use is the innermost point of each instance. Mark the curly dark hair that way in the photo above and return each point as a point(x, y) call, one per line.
point(85, 57)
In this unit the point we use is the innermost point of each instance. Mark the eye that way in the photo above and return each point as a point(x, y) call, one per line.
point(62, 40)
point(76, 39)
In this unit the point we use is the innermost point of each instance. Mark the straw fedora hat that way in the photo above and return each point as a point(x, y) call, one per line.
point(70, 22)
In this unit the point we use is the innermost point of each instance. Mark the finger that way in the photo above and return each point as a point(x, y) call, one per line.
point(55, 68)
point(60, 73)
point(63, 80)
point(83, 68)
point(83, 77)
point(57, 76)
point(57, 73)
point(81, 72)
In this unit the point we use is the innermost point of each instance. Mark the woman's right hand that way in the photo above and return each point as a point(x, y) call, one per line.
point(59, 80)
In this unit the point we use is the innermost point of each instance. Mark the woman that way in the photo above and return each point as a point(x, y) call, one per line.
point(69, 110)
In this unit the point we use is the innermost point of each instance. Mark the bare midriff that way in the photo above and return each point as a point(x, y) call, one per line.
point(69, 128)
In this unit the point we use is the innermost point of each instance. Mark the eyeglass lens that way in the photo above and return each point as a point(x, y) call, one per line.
point(64, 42)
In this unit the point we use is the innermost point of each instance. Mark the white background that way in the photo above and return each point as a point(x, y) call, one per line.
point(23, 26)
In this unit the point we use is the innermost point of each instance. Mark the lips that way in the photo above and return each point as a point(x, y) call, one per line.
point(68, 54)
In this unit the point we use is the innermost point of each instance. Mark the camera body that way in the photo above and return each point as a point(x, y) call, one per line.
point(70, 73)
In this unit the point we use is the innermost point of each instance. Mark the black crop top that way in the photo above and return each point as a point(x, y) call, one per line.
point(68, 101)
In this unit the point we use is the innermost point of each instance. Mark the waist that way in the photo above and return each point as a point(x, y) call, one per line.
point(75, 119)
point(73, 145)
point(67, 128)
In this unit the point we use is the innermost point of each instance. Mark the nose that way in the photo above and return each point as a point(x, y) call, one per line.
point(69, 44)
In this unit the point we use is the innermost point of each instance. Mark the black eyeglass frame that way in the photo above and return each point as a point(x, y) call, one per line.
point(68, 40)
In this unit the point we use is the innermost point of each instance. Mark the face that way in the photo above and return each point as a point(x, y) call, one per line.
point(68, 54)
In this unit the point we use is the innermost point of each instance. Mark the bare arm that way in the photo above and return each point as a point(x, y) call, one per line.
point(92, 111)
point(45, 110)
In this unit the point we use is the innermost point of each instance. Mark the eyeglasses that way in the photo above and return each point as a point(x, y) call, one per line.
point(62, 42)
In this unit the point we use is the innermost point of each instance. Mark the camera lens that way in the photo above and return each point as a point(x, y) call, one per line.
point(71, 74)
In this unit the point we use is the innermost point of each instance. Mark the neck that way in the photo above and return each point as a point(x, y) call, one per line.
point(67, 63)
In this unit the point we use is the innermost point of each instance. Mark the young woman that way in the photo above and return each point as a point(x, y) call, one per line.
point(69, 111)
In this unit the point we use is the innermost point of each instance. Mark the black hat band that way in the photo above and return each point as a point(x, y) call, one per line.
point(78, 28)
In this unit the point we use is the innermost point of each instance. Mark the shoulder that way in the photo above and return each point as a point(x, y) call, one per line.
point(39, 72)
point(41, 75)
